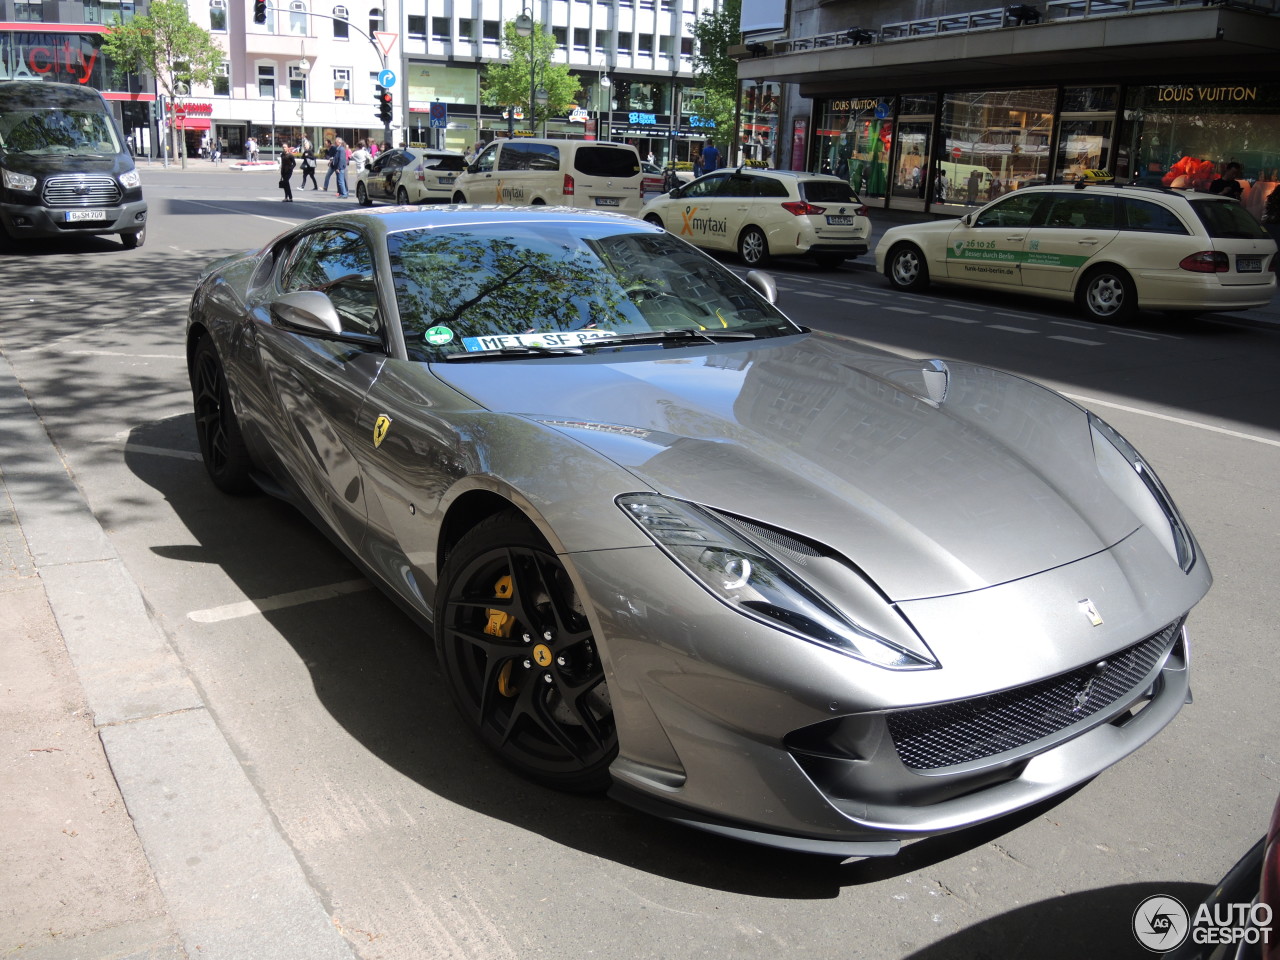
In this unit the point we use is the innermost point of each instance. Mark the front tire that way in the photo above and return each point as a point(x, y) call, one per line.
point(459, 198)
point(653, 218)
point(362, 195)
point(520, 659)
point(134, 239)
point(753, 247)
point(1107, 294)
point(906, 268)
point(226, 458)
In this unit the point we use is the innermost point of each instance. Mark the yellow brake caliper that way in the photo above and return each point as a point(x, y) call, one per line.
point(499, 625)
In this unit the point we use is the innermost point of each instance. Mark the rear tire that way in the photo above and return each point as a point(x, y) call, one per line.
point(1107, 294)
point(518, 654)
point(402, 197)
point(906, 268)
point(753, 247)
point(459, 198)
point(222, 448)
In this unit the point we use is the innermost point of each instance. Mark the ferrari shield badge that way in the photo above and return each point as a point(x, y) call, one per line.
point(1089, 610)
point(380, 428)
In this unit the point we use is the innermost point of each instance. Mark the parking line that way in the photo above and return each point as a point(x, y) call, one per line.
point(249, 608)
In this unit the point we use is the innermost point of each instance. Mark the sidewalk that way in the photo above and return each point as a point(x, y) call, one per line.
point(132, 832)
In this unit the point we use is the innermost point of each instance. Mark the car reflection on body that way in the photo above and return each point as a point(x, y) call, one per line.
point(750, 577)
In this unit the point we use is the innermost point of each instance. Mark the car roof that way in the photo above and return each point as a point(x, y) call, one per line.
point(1128, 188)
point(384, 220)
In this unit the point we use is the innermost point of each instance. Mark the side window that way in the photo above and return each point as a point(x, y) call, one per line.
point(1149, 217)
point(513, 157)
point(768, 187)
point(484, 162)
point(1081, 211)
point(338, 263)
point(542, 156)
point(707, 187)
point(1016, 211)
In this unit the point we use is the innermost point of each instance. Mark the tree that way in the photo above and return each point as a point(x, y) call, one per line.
point(165, 43)
point(509, 83)
point(715, 72)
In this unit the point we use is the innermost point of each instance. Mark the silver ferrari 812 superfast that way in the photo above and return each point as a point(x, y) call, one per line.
point(749, 577)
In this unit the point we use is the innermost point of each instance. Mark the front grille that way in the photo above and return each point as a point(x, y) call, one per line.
point(947, 734)
point(81, 192)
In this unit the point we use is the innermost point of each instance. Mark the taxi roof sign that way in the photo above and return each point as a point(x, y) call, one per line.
point(1096, 176)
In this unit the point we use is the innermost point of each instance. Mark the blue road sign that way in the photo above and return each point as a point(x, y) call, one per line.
point(439, 114)
point(387, 78)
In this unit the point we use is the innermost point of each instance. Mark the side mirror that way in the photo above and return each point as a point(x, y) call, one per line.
point(967, 219)
point(763, 283)
point(307, 310)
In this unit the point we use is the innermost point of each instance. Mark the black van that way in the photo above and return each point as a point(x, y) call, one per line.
point(64, 168)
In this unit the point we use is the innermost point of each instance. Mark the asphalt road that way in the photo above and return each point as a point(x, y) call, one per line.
point(418, 845)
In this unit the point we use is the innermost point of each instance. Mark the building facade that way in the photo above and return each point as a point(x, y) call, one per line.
point(945, 111)
point(312, 69)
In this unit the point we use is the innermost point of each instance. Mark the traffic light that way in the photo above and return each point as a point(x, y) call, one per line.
point(384, 105)
point(259, 11)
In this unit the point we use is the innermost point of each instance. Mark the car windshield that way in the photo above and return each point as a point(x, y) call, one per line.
point(536, 285)
point(58, 131)
point(1225, 219)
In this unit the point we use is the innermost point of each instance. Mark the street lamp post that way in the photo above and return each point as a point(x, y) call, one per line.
point(524, 27)
point(304, 66)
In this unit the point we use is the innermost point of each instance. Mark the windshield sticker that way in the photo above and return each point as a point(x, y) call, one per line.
point(438, 336)
point(565, 338)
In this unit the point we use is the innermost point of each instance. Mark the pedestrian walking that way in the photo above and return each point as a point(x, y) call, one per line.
point(251, 149)
point(328, 156)
point(308, 162)
point(287, 163)
point(360, 159)
point(340, 160)
point(710, 158)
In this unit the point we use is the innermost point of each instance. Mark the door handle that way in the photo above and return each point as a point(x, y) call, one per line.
point(1087, 241)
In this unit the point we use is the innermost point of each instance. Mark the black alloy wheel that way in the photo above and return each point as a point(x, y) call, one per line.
point(520, 659)
point(218, 432)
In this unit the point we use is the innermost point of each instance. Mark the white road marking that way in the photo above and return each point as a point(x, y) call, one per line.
point(161, 452)
point(116, 353)
point(810, 293)
point(250, 608)
point(918, 313)
point(1136, 336)
point(1066, 339)
point(1178, 420)
point(861, 303)
point(998, 326)
point(943, 316)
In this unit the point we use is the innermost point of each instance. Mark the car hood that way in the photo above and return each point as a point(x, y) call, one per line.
point(933, 478)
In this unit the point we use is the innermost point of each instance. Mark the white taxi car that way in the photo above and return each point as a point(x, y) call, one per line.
point(762, 213)
point(410, 176)
point(1112, 249)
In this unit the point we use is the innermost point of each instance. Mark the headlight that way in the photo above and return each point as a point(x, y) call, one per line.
point(18, 181)
point(741, 573)
point(1134, 482)
point(130, 180)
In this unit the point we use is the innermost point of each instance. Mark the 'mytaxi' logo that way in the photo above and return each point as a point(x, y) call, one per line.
point(687, 214)
point(694, 224)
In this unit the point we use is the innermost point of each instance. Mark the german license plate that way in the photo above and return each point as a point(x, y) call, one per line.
point(840, 221)
point(79, 216)
point(445, 180)
point(1248, 264)
point(606, 201)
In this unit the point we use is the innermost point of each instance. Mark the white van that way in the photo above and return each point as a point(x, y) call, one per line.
point(590, 174)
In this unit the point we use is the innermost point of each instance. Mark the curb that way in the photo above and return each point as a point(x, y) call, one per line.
point(232, 884)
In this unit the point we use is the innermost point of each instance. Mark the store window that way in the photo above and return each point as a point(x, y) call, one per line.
point(1086, 131)
point(852, 142)
point(992, 141)
point(1181, 135)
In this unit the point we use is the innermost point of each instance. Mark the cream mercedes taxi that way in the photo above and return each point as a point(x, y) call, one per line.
point(1112, 249)
point(765, 213)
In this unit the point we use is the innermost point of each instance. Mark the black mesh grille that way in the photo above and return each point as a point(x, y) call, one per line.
point(951, 733)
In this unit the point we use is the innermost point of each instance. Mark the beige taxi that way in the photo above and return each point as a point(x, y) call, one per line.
point(766, 213)
point(1112, 249)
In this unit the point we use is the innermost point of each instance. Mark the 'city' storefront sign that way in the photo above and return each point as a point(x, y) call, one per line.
point(33, 55)
point(1206, 94)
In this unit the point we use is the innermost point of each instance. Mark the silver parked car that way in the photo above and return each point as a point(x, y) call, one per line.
point(753, 578)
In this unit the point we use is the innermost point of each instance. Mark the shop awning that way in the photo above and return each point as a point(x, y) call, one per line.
point(193, 123)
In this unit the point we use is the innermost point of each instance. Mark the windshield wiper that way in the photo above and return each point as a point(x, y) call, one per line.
point(662, 336)
point(506, 353)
